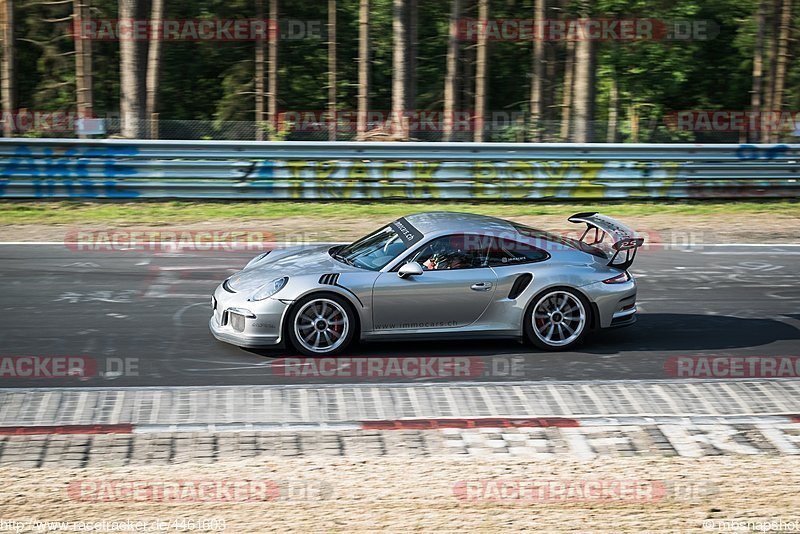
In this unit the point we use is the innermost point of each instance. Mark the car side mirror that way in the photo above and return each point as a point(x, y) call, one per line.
point(411, 268)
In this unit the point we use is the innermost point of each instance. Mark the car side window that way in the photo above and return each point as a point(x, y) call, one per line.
point(505, 252)
point(451, 252)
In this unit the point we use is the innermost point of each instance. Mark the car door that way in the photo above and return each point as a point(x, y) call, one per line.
point(452, 294)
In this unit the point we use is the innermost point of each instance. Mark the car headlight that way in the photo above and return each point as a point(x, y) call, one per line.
point(269, 289)
point(256, 259)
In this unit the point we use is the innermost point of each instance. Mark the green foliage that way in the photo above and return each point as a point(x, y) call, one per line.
point(171, 212)
point(213, 81)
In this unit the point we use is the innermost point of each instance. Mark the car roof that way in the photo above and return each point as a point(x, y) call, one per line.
point(438, 223)
point(450, 221)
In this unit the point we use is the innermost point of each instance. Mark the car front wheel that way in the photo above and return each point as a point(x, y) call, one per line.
point(321, 325)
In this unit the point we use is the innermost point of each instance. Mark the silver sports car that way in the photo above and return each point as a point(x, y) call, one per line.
point(435, 275)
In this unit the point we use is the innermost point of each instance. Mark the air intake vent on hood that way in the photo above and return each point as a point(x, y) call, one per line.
point(329, 279)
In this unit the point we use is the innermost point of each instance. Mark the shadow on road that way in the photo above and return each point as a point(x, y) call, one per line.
point(386, 349)
point(652, 332)
point(690, 332)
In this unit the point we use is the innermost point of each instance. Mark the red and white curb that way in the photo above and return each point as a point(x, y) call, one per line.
point(65, 429)
point(404, 424)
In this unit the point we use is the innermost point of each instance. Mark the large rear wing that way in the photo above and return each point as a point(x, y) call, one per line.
point(623, 239)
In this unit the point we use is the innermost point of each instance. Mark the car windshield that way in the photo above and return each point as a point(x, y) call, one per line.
point(372, 252)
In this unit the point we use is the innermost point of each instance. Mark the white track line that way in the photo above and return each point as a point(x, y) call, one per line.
point(225, 243)
point(744, 245)
point(583, 421)
point(389, 385)
point(293, 243)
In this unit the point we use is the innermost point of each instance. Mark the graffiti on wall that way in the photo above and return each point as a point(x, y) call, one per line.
point(122, 171)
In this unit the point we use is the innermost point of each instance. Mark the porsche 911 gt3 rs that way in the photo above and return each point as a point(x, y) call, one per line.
point(435, 275)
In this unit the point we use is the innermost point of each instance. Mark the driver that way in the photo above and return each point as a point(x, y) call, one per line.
point(442, 257)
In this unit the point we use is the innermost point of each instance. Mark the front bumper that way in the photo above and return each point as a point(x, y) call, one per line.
point(236, 321)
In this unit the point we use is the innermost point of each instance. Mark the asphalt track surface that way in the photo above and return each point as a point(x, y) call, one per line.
point(149, 311)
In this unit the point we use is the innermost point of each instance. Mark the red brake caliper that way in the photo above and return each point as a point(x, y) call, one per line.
point(337, 328)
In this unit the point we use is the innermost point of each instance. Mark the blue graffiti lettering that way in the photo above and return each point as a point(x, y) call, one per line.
point(263, 169)
point(76, 189)
point(754, 152)
point(75, 163)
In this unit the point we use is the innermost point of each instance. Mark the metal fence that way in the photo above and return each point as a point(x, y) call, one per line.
point(124, 169)
point(505, 126)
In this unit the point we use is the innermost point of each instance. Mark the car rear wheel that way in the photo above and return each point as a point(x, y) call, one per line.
point(321, 325)
point(558, 319)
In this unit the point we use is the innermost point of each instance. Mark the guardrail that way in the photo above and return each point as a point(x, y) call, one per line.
point(125, 169)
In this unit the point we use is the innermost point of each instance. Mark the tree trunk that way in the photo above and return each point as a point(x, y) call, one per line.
point(481, 71)
point(584, 84)
point(780, 69)
point(83, 61)
point(399, 122)
point(154, 69)
point(272, 74)
point(8, 75)
point(451, 76)
point(549, 84)
point(466, 97)
point(131, 88)
point(259, 76)
point(769, 86)
point(332, 122)
point(566, 99)
point(412, 46)
point(537, 71)
point(613, 109)
point(363, 67)
point(633, 113)
point(758, 65)
point(142, 49)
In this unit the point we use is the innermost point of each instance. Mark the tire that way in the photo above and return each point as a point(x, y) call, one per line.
point(558, 319)
point(321, 325)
